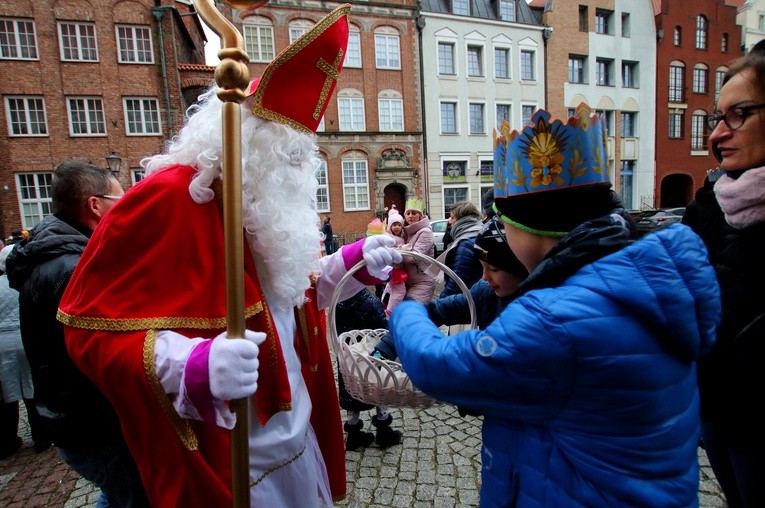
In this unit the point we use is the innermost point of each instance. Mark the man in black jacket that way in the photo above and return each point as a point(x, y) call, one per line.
point(79, 420)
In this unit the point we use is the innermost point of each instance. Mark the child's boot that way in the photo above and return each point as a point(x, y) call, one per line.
point(356, 437)
point(385, 435)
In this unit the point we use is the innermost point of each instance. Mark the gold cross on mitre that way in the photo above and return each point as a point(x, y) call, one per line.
point(333, 72)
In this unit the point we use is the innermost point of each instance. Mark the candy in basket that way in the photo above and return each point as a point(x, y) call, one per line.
point(375, 380)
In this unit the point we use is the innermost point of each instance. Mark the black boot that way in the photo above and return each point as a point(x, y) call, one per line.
point(356, 438)
point(385, 435)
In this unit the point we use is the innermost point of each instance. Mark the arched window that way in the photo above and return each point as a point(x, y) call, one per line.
point(676, 81)
point(700, 78)
point(258, 38)
point(701, 32)
point(390, 107)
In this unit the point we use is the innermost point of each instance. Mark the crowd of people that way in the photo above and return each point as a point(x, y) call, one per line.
point(598, 361)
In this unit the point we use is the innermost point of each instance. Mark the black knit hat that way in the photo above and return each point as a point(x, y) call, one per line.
point(491, 246)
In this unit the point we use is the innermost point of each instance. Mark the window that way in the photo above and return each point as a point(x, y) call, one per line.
point(603, 72)
point(603, 21)
point(461, 7)
point(701, 32)
point(477, 124)
point(527, 65)
point(629, 74)
point(18, 40)
point(387, 54)
point(353, 54)
point(676, 123)
point(724, 43)
point(454, 195)
point(454, 170)
point(719, 77)
point(761, 22)
point(475, 61)
point(448, 117)
point(35, 198)
point(676, 83)
point(351, 112)
point(26, 116)
point(445, 58)
point(700, 78)
point(322, 192)
point(142, 116)
point(78, 42)
point(486, 170)
point(86, 116)
point(501, 63)
point(678, 36)
point(698, 137)
point(625, 24)
point(628, 124)
point(298, 28)
point(134, 43)
point(626, 182)
point(507, 10)
point(355, 185)
point(576, 69)
point(137, 175)
point(526, 112)
point(583, 21)
point(503, 112)
point(390, 108)
point(608, 116)
point(320, 127)
point(258, 39)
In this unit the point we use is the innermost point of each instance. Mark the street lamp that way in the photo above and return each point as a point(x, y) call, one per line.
point(114, 162)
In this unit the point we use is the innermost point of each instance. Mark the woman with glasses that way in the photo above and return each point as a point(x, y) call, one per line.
point(732, 379)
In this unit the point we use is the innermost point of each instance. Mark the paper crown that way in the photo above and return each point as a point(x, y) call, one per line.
point(296, 86)
point(415, 204)
point(548, 155)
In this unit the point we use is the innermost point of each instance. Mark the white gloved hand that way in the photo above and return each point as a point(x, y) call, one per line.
point(379, 255)
point(233, 365)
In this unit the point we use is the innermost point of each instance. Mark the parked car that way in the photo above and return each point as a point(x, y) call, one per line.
point(439, 229)
point(649, 221)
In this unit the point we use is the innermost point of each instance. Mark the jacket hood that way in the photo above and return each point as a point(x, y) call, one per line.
point(51, 238)
point(665, 281)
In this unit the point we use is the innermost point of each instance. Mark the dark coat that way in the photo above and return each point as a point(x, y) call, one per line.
point(71, 408)
point(705, 217)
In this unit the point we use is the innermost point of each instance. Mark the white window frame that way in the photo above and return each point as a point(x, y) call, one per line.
point(461, 7)
point(473, 122)
point(134, 44)
point(390, 111)
point(698, 131)
point(31, 106)
point(676, 91)
point(20, 44)
point(90, 111)
point(604, 21)
point(298, 27)
point(441, 69)
point(323, 188)
point(350, 112)
point(35, 196)
point(137, 174)
point(702, 32)
point(502, 56)
point(675, 127)
point(473, 62)
point(700, 79)
point(355, 184)
point(258, 33)
point(80, 44)
point(498, 118)
point(387, 48)
point(527, 62)
point(451, 196)
point(507, 10)
point(353, 54)
point(142, 111)
point(455, 110)
point(604, 72)
point(524, 108)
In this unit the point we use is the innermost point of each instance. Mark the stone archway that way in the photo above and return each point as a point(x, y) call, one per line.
point(395, 193)
point(676, 190)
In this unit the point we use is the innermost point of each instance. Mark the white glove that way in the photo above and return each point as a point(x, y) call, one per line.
point(233, 365)
point(379, 255)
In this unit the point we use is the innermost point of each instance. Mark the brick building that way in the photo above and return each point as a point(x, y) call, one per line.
point(84, 80)
point(696, 42)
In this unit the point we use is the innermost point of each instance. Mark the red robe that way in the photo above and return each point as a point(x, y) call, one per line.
point(156, 261)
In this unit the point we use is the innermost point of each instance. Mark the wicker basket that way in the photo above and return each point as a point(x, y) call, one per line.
point(374, 380)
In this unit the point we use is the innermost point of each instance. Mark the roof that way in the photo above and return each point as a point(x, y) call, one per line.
point(486, 9)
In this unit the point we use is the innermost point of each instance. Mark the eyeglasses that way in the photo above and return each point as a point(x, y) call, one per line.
point(107, 196)
point(734, 118)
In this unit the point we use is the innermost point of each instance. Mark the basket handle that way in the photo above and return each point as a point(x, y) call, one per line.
point(416, 255)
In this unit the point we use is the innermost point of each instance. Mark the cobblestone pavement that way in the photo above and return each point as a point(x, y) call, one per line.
point(437, 465)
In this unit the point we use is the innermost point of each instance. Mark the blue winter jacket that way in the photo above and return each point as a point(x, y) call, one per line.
point(587, 384)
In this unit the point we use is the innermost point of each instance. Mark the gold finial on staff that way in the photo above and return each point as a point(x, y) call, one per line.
point(233, 77)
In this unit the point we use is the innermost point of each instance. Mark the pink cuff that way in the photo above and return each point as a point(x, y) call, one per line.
point(354, 253)
point(197, 381)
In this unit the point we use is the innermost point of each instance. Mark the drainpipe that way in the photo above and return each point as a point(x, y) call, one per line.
point(420, 22)
point(159, 13)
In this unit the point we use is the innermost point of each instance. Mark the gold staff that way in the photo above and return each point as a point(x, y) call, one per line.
point(233, 76)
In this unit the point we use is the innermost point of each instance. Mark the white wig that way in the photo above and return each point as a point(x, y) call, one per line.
point(279, 187)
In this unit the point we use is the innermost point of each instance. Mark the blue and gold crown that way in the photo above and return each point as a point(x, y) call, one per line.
point(548, 155)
